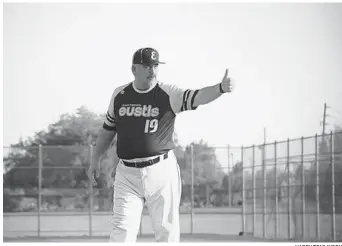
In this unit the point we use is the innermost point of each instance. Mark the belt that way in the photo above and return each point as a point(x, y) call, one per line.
point(142, 164)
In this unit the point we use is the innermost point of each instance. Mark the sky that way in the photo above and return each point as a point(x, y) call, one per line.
point(285, 61)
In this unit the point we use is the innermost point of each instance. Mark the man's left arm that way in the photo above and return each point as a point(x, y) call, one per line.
point(210, 93)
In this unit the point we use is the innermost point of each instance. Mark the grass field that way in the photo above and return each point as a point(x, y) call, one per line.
point(77, 224)
point(217, 224)
point(296, 226)
point(212, 224)
point(145, 238)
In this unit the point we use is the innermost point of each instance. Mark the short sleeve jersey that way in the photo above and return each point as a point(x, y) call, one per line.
point(144, 120)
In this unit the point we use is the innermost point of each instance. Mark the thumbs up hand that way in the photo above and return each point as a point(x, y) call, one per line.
point(226, 83)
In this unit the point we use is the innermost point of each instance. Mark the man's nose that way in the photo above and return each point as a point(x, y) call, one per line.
point(152, 69)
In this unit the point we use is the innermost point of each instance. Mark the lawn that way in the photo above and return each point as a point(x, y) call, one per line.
point(211, 224)
point(217, 222)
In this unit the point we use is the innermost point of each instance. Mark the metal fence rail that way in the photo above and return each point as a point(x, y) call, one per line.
point(285, 189)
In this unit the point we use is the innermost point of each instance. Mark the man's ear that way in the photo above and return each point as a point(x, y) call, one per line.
point(134, 68)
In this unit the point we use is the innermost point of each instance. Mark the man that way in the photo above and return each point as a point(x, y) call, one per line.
point(142, 114)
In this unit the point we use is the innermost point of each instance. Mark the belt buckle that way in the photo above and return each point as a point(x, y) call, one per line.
point(135, 164)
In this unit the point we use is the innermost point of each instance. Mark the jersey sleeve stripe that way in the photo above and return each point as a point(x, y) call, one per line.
point(185, 99)
point(109, 116)
point(189, 99)
point(193, 99)
point(110, 119)
point(182, 108)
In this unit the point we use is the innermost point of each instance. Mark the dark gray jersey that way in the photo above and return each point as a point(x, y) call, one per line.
point(144, 120)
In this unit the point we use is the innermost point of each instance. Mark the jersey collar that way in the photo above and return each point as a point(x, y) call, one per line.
point(144, 91)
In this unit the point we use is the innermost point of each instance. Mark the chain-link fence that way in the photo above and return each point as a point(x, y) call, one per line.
point(293, 189)
point(290, 189)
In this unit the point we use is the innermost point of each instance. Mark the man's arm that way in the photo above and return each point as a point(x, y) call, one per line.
point(182, 100)
point(106, 136)
point(102, 143)
point(207, 95)
point(210, 93)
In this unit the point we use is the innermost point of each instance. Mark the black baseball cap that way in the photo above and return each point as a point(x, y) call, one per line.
point(146, 56)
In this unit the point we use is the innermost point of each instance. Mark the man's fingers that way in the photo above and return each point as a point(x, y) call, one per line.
point(90, 174)
point(97, 173)
point(94, 180)
point(93, 177)
point(93, 174)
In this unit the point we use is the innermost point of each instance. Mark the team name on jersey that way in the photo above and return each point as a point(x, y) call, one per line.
point(138, 111)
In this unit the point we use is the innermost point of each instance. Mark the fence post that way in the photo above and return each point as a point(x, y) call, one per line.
point(264, 192)
point(303, 187)
point(40, 167)
point(229, 179)
point(332, 161)
point(276, 191)
point(192, 188)
point(90, 191)
point(288, 190)
point(254, 191)
point(318, 231)
point(243, 194)
point(207, 194)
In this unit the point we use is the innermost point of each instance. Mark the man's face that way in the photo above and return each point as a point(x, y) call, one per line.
point(145, 73)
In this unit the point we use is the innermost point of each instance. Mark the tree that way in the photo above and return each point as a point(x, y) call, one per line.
point(205, 164)
point(225, 183)
point(207, 174)
point(236, 179)
point(66, 144)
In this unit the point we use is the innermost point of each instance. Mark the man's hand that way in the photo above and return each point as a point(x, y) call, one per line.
point(94, 172)
point(226, 83)
point(210, 93)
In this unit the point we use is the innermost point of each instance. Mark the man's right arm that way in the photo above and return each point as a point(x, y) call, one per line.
point(105, 137)
point(103, 141)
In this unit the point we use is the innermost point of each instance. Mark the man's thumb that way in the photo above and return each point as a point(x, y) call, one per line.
point(225, 74)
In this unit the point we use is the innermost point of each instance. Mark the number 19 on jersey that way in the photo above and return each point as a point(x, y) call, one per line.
point(151, 126)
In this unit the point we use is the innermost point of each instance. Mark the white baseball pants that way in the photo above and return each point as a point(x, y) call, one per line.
point(159, 188)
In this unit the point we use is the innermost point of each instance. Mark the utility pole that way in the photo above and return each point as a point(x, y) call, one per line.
point(264, 134)
point(324, 117)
